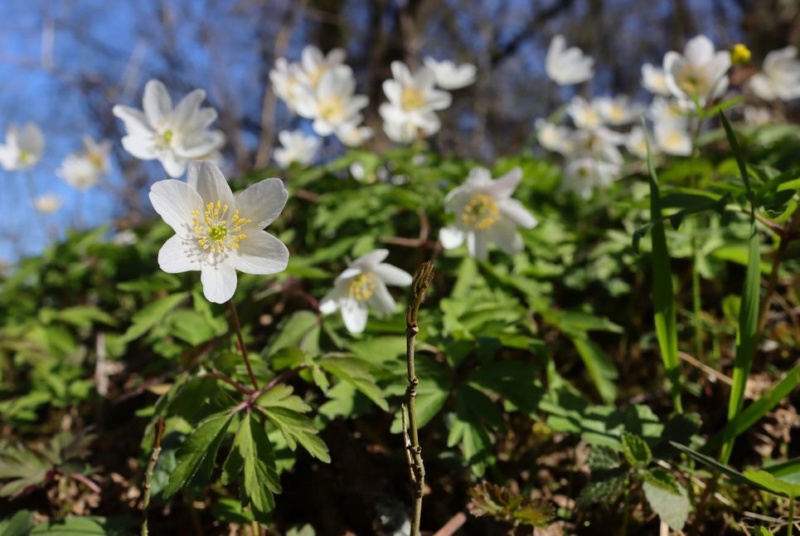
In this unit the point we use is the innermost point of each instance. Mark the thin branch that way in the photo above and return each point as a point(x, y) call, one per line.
point(419, 286)
point(148, 475)
point(240, 338)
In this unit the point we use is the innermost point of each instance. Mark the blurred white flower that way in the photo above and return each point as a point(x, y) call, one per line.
point(332, 104)
point(297, 147)
point(780, 76)
point(125, 238)
point(173, 136)
point(583, 176)
point(413, 102)
point(583, 113)
point(598, 143)
point(286, 83)
point(617, 110)
point(486, 213)
point(314, 64)
point(23, 148)
point(757, 117)
point(353, 136)
point(83, 170)
point(553, 137)
point(654, 80)
point(668, 110)
point(636, 143)
point(364, 283)
point(672, 138)
point(699, 73)
point(47, 203)
point(216, 232)
point(449, 75)
point(567, 66)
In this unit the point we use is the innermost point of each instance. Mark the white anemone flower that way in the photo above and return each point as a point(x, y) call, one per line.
point(451, 76)
point(83, 170)
point(554, 137)
point(672, 138)
point(668, 111)
point(47, 203)
point(636, 143)
point(584, 175)
point(333, 104)
point(485, 212)
point(654, 80)
point(757, 117)
point(314, 64)
point(23, 148)
point(216, 232)
point(353, 135)
point(413, 102)
point(780, 76)
point(699, 74)
point(364, 283)
point(297, 147)
point(583, 113)
point(286, 82)
point(567, 66)
point(617, 110)
point(599, 143)
point(173, 136)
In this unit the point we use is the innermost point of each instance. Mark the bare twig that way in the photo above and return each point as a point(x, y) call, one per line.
point(148, 475)
point(419, 286)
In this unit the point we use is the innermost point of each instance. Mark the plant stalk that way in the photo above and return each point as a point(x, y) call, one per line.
point(238, 328)
point(148, 475)
point(419, 286)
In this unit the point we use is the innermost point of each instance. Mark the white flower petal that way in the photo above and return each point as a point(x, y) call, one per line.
point(517, 213)
point(349, 273)
point(260, 253)
point(505, 235)
point(503, 187)
point(141, 147)
point(156, 102)
point(354, 314)
point(382, 300)
point(176, 256)
point(330, 303)
point(451, 237)
point(188, 108)
point(478, 245)
point(392, 275)
point(211, 183)
point(369, 260)
point(219, 282)
point(175, 201)
point(173, 165)
point(262, 202)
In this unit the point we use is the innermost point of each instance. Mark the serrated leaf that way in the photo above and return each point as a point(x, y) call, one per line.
point(196, 455)
point(259, 476)
point(286, 412)
point(604, 488)
point(667, 498)
point(601, 458)
point(356, 372)
point(636, 450)
point(150, 315)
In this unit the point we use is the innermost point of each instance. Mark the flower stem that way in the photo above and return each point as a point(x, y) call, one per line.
point(148, 475)
point(238, 328)
point(419, 286)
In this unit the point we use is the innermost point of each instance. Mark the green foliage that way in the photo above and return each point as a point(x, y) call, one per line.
point(509, 506)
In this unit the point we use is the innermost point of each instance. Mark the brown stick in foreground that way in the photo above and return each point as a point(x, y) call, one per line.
point(419, 286)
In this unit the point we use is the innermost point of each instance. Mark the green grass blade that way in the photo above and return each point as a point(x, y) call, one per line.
point(755, 411)
point(663, 293)
point(747, 332)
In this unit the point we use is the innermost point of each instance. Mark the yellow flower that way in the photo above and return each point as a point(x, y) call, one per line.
point(740, 54)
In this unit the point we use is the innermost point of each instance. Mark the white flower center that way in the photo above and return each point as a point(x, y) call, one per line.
point(693, 82)
point(480, 212)
point(164, 140)
point(331, 109)
point(217, 231)
point(362, 287)
point(24, 156)
point(412, 98)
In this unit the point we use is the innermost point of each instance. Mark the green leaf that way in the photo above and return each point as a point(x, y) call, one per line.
point(196, 455)
point(83, 526)
point(773, 484)
point(286, 412)
point(746, 336)
point(744, 420)
point(356, 372)
point(601, 368)
point(20, 524)
point(259, 476)
point(663, 293)
point(604, 487)
point(302, 330)
point(151, 315)
point(636, 450)
point(667, 497)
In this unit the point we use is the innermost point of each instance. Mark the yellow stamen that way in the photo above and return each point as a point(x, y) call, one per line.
point(215, 231)
point(362, 287)
point(480, 212)
point(411, 98)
